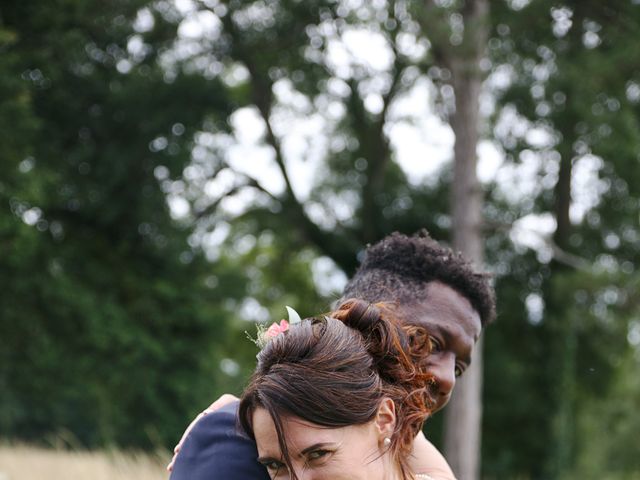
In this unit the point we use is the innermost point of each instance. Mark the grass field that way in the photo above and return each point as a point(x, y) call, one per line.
point(30, 463)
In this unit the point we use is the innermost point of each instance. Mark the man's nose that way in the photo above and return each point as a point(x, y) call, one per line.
point(444, 371)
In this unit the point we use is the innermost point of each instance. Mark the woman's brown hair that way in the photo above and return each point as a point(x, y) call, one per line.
point(335, 371)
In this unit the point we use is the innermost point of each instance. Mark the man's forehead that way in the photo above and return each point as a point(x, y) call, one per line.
point(442, 307)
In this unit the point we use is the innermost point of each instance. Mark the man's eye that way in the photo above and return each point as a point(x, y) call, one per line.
point(459, 371)
point(436, 346)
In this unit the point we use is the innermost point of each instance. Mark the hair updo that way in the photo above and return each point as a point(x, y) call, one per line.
point(335, 371)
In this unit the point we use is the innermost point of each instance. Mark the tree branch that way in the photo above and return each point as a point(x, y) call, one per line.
point(249, 182)
point(341, 248)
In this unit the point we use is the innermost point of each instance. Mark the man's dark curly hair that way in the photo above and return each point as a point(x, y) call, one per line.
point(399, 267)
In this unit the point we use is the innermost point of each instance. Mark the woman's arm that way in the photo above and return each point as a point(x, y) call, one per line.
point(425, 458)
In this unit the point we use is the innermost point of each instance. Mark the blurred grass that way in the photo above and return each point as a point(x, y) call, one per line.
point(23, 462)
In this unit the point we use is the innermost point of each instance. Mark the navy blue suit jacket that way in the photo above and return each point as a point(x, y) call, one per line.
point(216, 450)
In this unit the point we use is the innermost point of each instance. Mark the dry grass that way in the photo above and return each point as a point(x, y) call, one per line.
point(30, 463)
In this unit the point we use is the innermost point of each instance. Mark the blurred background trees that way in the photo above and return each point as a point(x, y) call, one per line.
point(174, 171)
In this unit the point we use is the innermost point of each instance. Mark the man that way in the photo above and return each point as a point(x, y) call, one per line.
point(433, 288)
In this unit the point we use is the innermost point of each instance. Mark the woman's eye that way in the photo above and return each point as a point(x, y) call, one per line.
point(317, 454)
point(459, 370)
point(273, 466)
point(436, 346)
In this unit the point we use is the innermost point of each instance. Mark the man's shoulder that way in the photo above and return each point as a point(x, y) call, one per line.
point(217, 426)
point(215, 448)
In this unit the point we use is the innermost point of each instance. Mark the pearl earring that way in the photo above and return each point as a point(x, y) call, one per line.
point(387, 442)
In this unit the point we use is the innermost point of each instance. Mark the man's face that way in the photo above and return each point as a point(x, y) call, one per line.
point(454, 327)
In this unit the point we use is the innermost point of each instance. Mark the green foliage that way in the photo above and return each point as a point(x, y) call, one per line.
point(107, 327)
point(573, 70)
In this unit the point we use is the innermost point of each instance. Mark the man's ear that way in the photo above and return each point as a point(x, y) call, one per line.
point(385, 421)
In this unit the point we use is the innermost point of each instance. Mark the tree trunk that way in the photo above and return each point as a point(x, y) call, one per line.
point(563, 417)
point(463, 421)
point(464, 414)
point(563, 200)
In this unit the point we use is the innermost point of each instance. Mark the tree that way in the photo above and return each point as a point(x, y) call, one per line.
point(106, 321)
point(572, 79)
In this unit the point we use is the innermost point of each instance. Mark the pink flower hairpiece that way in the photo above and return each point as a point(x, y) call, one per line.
point(265, 334)
point(276, 329)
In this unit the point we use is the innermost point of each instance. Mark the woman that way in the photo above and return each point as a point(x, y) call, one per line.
point(341, 397)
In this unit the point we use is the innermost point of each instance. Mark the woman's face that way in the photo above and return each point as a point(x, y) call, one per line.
point(317, 452)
